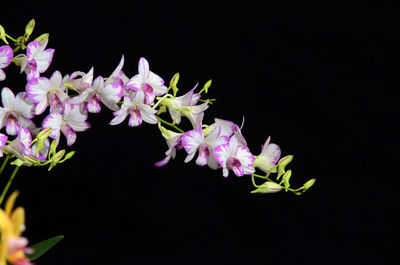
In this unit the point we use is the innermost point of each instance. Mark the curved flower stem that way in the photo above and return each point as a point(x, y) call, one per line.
point(170, 124)
point(11, 38)
point(4, 163)
point(254, 183)
point(8, 184)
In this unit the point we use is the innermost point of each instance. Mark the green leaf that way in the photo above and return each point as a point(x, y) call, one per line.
point(43, 246)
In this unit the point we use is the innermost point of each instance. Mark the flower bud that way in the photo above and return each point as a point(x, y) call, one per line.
point(3, 34)
point(308, 184)
point(268, 187)
point(29, 28)
point(53, 147)
point(56, 158)
point(282, 163)
point(69, 155)
point(206, 86)
point(286, 178)
point(42, 38)
point(173, 83)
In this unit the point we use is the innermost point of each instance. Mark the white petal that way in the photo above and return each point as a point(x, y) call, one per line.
point(191, 140)
point(144, 68)
point(7, 98)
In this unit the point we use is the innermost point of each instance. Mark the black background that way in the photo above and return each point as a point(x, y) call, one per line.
point(318, 77)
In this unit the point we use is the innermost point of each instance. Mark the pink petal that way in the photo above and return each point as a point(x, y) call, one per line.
point(191, 140)
point(12, 125)
point(69, 133)
point(6, 55)
point(135, 118)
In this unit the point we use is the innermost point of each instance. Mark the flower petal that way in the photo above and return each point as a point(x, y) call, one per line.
point(7, 98)
point(144, 68)
point(6, 55)
point(191, 140)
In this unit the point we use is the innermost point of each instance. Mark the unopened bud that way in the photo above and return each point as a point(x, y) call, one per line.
point(173, 83)
point(268, 187)
point(53, 147)
point(206, 86)
point(3, 34)
point(29, 28)
point(69, 155)
point(282, 163)
point(286, 178)
point(308, 184)
point(42, 38)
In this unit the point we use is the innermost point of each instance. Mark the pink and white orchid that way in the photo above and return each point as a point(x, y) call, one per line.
point(44, 92)
point(176, 104)
point(71, 120)
point(173, 140)
point(269, 156)
point(79, 81)
point(234, 156)
point(151, 84)
point(16, 112)
point(195, 140)
point(110, 94)
point(20, 146)
point(118, 75)
point(137, 111)
point(6, 55)
point(37, 59)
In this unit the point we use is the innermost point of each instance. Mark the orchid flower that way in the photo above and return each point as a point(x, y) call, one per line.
point(109, 94)
point(118, 75)
point(3, 142)
point(173, 140)
point(151, 84)
point(6, 55)
point(195, 140)
point(234, 156)
point(15, 113)
point(269, 156)
point(20, 146)
point(175, 104)
point(71, 120)
point(44, 92)
point(36, 60)
point(227, 127)
point(13, 247)
point(79, 81)
point(137, 111)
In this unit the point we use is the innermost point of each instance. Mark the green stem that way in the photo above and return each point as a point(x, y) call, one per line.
point(170, 124)
point(11, 38)
point(8, 184)
point(4, 163)
point(254, 183)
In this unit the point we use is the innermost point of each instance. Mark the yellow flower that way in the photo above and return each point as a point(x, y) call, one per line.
point(13, 247)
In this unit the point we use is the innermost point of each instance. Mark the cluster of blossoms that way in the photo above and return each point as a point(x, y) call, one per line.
point(63, 102)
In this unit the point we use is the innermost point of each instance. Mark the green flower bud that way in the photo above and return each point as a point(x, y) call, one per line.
point(206, 86)
point(42, 38)
point(68, 156)
point(56, 158)
point(308, 184)
point(268, 187)
point(173, 83)
point(3, 34)
point(40, 138)
point(53, 147)
point(282, 163)
point(29, 28)
point(286, 178)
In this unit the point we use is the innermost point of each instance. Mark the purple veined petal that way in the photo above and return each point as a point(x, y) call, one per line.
point(69, 133)
point(227, 127)
point(195, 99)
point(143, 67)
point(44, 59)
point(148, 114)
point(32, 49)
point(163, 162)
point(118, 70)
point(135, 117)
point(25, 140)
point(53, 121)
point(36, 90)
point(120, 116)
point(93, 105)
point(135, 83)
point(7, 98)
point(191, 140)
point(55, 103)
point(149, 93)
point(236, 166)
point(12, 124)
point(245, 156)
point(221, 154)
point(272, 153)
point(204, 155)
point(6, 56)
point(31, 70)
